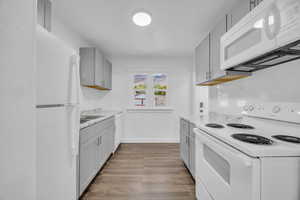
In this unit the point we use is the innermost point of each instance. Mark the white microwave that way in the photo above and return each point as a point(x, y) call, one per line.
point(269, 35)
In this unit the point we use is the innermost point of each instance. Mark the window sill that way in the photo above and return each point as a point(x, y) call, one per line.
point(150, 110)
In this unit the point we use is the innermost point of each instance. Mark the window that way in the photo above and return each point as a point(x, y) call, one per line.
point(140, 87)
point(150, 90)
point(160, 89)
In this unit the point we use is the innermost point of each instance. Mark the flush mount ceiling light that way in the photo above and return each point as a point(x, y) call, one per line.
point(142, 19)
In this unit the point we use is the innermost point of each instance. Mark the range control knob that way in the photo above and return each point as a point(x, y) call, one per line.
point(251, 108)
point(246, 108)
point(276, 109)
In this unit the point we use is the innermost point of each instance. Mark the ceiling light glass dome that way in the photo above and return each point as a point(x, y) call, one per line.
point(142, 19)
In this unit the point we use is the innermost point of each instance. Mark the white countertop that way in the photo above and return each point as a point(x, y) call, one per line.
point(105, 113)
point(263, 127)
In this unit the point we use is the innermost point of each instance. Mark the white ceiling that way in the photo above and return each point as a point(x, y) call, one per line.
point(177, 25)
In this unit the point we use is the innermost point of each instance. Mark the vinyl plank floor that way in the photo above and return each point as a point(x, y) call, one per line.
point(143, 172)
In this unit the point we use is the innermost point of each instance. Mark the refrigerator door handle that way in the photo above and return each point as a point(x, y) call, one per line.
point(75, 106)
point(75, 66)
point(76, 133)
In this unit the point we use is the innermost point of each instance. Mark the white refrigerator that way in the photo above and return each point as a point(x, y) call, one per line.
point(57, 110)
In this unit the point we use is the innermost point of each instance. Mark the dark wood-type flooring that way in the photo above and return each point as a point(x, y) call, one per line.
point(143, 172)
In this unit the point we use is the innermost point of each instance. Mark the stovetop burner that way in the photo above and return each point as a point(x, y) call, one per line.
point(287, 138)
point(241, 126)
point(253, 139)
point(214, 125)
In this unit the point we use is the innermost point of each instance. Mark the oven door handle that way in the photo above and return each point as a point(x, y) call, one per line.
point(224, 150)
point(238, 155)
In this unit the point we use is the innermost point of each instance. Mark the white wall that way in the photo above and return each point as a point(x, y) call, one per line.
point(90, 98)
point(17, 102)
point(161, 127)
point(152, 127)
point(199, 95)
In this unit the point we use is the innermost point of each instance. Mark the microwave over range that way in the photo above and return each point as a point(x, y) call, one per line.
point(268, 36)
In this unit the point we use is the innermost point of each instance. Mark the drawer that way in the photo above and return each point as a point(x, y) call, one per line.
point(95, 130)
point(104, 124)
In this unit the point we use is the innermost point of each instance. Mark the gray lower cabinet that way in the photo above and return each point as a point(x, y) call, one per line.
point(192, 148)
point(88, 159)
point(184, 141)
point(107, 142)
point(100, 149)
point(96, 146)
point(187, 145)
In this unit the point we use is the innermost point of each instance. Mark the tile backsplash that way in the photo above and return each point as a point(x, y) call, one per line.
point(277, 84)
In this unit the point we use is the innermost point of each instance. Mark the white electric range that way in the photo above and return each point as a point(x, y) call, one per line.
point(257, 158)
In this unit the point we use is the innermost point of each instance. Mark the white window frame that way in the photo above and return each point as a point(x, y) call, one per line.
point(150, 97)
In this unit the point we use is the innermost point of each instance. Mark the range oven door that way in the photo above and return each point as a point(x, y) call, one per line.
point(226, 173)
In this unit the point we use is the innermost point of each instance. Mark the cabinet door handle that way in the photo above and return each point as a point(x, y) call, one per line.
point(100, 140)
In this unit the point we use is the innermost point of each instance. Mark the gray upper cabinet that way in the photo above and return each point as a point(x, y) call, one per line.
point(95, 69)
point(40, 12)
point(44, 10)
point(107, 74)
point(241, 9)
point(207, 54)
point(216, 34)
point(99, 68)
point(202, 60)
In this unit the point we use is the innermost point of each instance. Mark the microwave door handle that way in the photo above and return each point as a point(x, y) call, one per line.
point(272, 18)
point(77, 78)
point(77, 114)
point(76, 132)
point(71, 128)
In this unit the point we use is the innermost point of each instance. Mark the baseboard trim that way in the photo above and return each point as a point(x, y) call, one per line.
point(150, 140)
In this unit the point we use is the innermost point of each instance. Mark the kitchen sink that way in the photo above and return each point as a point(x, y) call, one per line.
point(86, 118)
point(83, 121)
point(91, 117)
